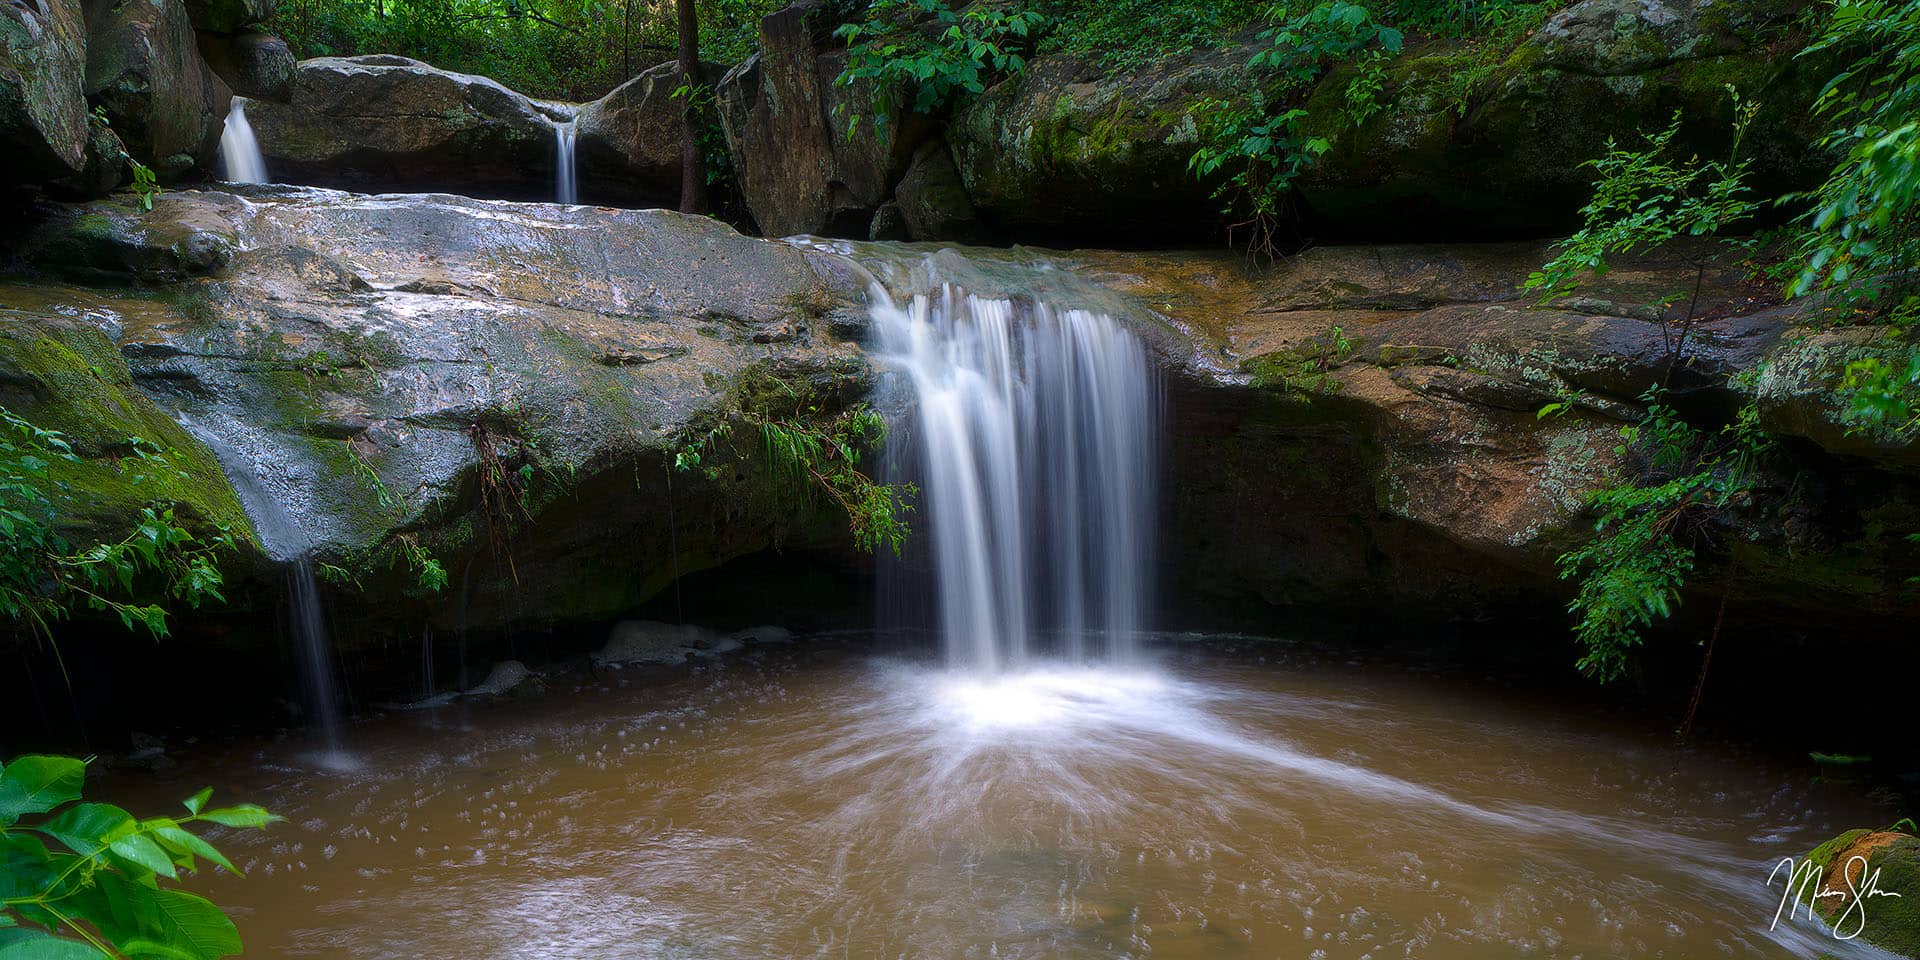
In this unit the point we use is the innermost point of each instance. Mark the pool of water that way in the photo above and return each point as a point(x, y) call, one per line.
point(1233, 798)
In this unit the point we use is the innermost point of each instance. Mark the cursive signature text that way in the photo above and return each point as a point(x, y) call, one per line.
point(1803, 889)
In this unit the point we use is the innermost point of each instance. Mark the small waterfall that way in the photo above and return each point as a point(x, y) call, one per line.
point(1036, 434)
point(239, 151)
point(282, 539)
point(565, 187)
point(316, 648)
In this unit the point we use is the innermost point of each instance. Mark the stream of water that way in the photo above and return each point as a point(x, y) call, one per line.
point(566, 188)
point(1226, 798)
point(239, 151)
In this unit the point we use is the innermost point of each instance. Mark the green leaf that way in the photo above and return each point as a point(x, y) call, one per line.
point(244, 815)
point(195, 925)
point(88, 828)
point(180, 840)
point(36, 784)
point(198, 800)
point(143, 851)
point(19, 944)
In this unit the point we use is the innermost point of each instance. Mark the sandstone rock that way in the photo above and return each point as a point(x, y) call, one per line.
point(1066, 150)
point(105, 168)
point(43, 107)
point(256, 65)
point(386, 123)
point(145, 70)
point(418, 339)
point(1504, 156)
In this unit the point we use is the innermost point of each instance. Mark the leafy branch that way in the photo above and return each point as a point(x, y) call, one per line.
point(80, 881)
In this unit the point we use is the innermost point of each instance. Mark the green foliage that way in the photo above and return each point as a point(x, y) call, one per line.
point(1650, 525)
point(1462, 18)
point(1645, 198)
point(811, 452)
point(1126, 35)
point(933, 53)
point(43, 579)
point(1861, 247)
point(704, 113)
point(146, 184)
point(84, 880)
point(1252, 149)
point(565, 49)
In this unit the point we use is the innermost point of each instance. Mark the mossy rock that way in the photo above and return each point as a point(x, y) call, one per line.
point(65, 376)
point(1892, 921)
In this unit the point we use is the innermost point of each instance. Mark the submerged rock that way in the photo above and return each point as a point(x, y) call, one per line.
point(505, 676)
point(650, 641)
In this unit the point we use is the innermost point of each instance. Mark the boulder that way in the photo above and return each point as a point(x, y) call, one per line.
point(1068, 151)
point(376, 368)
point(1887, 861)
point(387, 123)
point(229, 16)
point(259, 66)
point(932, 201)
point(1504, 155)
point(43, 107)
point(628, 142)
point(145, 70)
point(787, 125)
point(105, 167)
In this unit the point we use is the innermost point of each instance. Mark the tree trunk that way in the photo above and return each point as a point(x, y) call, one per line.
point(693, 166)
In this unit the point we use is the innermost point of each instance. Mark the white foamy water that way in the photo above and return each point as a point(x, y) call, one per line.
point(239, 151)
point(807, 801)
point(1035, 431)
point(566, 187)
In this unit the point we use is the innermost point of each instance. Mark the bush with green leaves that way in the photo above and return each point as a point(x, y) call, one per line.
point(1650, 526)
point(1861, 246)
point(1646, 199)
point(932, 53)
point(1252, 148)
point(89, 881)
point(43, 578)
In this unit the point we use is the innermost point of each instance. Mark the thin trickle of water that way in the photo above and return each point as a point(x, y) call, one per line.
point(239, 151)
point(310, 627)
point(566, 186)
point(1036, 433)
point(282, 538)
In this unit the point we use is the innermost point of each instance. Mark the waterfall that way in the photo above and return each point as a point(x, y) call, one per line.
point(316, 650)
point(566, 187)
point(282, 539)
point(1035, 430)
point(238, 150)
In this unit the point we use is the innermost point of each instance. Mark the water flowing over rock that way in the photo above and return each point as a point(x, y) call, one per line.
point(240, 159)
point(1035, 431)
point(1356, 426)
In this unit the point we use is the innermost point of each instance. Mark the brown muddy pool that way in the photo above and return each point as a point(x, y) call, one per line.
point(1235, 798)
